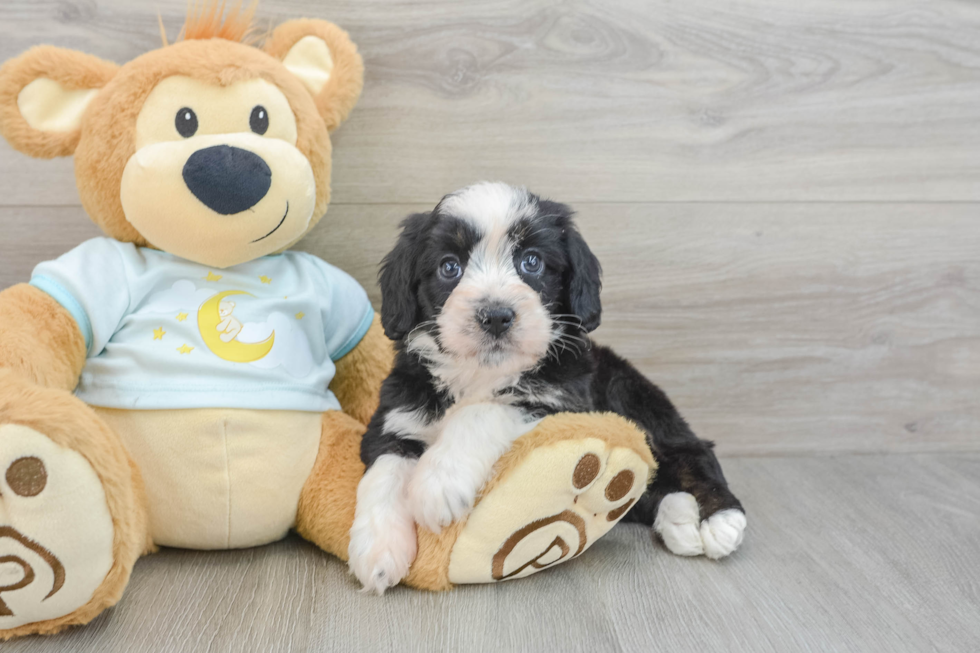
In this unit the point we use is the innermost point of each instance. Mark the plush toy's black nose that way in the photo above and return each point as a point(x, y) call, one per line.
point(227, 179)
point(496, 321)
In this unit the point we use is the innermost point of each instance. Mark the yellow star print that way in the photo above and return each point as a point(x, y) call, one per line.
point(181, 317)
point(158, 333)
point(265, 279)
point(184, 349)
point(299, 316)
point(212, 276)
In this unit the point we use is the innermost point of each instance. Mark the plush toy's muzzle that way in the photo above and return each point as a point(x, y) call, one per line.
point(239, 196)
point(220, 171)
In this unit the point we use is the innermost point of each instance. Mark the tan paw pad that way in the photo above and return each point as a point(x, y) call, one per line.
point(549, 509)
point(56, 534)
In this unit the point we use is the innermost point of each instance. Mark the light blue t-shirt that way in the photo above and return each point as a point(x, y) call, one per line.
point(165, 333)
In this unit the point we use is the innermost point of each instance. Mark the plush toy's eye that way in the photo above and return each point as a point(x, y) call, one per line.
point(186, 122)
point(259, 120)
point(532, 263)
point(449, 268)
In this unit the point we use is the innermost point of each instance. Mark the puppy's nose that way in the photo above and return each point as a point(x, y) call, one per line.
point(496, 321)
point(227, 179)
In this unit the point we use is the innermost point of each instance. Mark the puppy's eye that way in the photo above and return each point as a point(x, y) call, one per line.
point(532, 264)
point(259, 120)
point(186, 122)
point(449, 268)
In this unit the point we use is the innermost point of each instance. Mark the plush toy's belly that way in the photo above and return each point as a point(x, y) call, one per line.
point(219, 478)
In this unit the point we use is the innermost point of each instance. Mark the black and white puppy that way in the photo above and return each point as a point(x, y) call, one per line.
point(490, 298)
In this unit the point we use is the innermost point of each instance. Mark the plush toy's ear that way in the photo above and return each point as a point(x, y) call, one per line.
point(324, 58)
point(43, 94)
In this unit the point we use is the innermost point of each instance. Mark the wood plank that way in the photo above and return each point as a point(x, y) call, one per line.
point(775, 327)
point(858, 553)
point(746, 100)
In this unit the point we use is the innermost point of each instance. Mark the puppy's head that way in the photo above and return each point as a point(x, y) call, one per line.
point(493, 274)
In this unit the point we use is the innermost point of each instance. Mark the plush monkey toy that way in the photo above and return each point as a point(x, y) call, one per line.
point(186, 380)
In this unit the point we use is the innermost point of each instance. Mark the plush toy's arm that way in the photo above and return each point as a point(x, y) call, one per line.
point(357, 383)
point(39, 340)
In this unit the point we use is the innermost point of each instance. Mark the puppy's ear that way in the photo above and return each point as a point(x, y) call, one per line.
point(324, 58)
point(399, 278)
point(43, 95)
point(583, 280)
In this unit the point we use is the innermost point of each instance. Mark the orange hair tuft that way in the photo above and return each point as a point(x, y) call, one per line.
point(209, 21)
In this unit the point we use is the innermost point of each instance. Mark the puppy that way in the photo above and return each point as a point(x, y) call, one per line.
point(489, 298)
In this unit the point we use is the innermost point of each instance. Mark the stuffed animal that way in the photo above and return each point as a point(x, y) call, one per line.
point(186, 380)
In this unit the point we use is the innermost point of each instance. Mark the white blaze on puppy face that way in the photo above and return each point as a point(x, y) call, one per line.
point(492, 280)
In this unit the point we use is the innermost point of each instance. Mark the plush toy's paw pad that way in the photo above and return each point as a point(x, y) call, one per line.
point(381, 554)
point(680, 527)
point(56, 534)
point(441, 493)
point(722, 533)
point(548, 509)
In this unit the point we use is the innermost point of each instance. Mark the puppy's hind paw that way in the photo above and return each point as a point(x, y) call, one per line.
point(677, 522)
point(679, 525)
point(722, 532)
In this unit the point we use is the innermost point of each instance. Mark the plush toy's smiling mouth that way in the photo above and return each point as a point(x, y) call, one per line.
point(276, 227)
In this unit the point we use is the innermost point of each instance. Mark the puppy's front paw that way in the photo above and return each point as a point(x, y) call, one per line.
point(441, 493)
point(380, 554)
point(679, 525)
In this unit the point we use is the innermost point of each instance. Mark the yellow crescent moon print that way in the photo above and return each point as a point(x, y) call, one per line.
point(208, 318)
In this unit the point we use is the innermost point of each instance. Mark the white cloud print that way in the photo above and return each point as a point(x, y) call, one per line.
point(182, 296)
point(290, 349)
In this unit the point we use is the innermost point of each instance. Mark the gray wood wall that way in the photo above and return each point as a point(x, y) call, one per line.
point(784, 195)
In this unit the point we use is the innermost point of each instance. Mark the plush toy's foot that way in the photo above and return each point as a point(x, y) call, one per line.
point(560, 488)
point(680, 526)
point(56, 532)
point(63, 557)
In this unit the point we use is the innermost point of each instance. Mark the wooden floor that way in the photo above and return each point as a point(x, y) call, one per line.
point(785, 197)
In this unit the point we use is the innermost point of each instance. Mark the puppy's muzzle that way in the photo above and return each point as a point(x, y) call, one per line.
point(227, 179)
point(495, 320)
